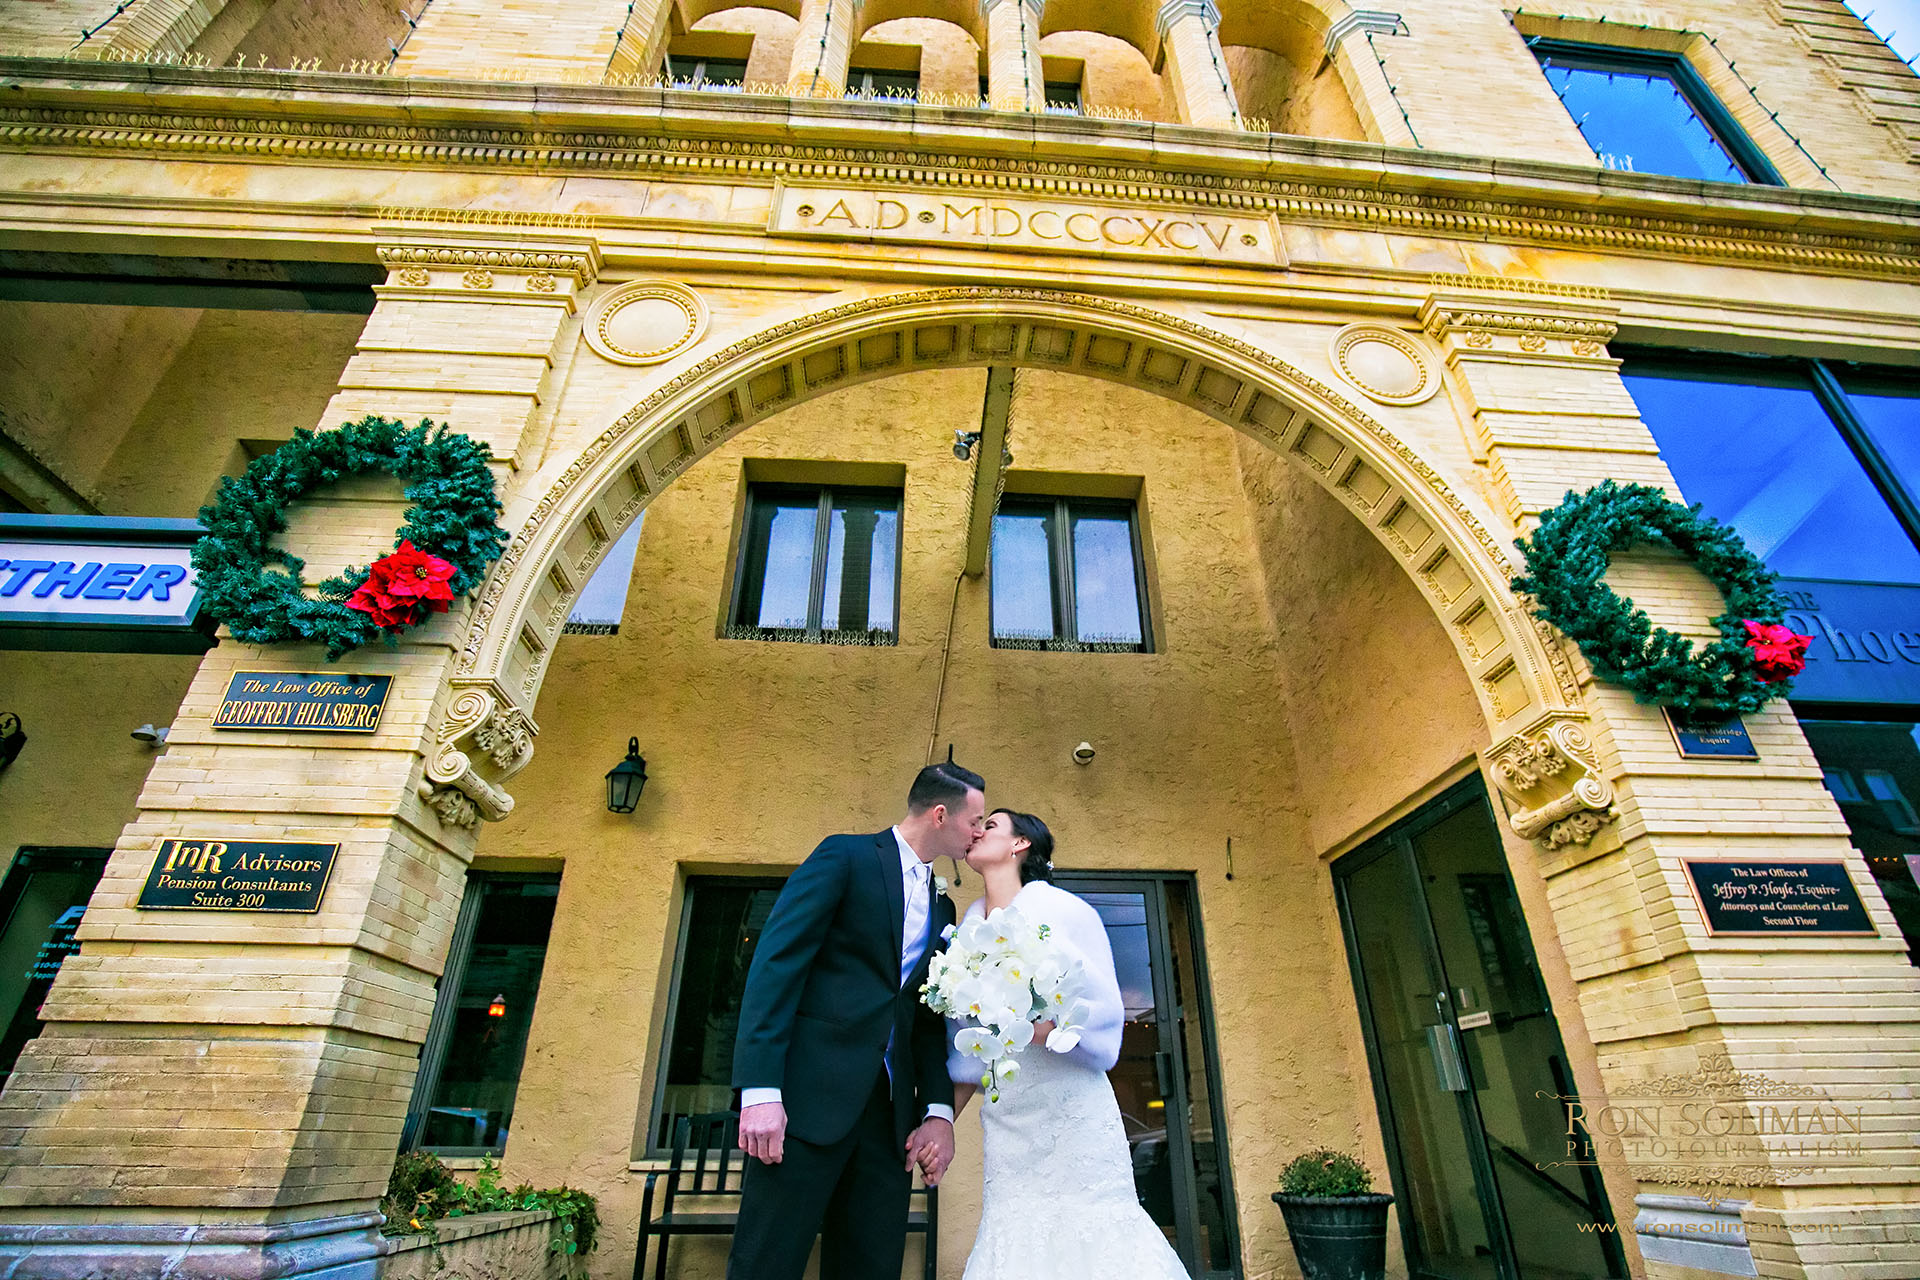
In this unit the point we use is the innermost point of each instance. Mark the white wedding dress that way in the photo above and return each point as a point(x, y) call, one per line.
point(1059, 1200)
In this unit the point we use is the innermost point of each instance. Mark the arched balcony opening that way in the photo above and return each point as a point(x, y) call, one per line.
point(929, 59)
point(1115, 78)
point(1284, 80)
point(723, 49)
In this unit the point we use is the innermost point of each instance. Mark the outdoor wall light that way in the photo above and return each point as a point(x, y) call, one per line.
point(150, 734)
point(1083, 754)
point(963, 442)
point(498, 1009)
point(627, 779)
point(12, 738)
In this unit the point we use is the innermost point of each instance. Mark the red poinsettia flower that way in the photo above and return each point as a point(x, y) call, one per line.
point(1779, 653)
point(385, 611)
point(414, 576)
point(402, 587)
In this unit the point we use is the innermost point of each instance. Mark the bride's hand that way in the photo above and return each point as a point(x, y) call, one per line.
point(1041, 1030)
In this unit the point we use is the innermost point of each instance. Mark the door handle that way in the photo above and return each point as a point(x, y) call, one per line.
point(1163, 1074)
point(1449, 1064)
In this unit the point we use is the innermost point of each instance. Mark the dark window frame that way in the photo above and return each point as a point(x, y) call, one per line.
point(1058, 97)
point(861, 84)
point(738, 627)
point(699, 80)
point(433, 1052)
point(653, 1143)
point(1574, 55)
point(1061, 574)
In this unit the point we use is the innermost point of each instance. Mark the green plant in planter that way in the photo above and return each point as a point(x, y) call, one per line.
point(1336, 1220)
point(1325, 1173)
point(422, 1190)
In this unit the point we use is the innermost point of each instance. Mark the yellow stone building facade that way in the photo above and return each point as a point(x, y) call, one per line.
point(1265, 330)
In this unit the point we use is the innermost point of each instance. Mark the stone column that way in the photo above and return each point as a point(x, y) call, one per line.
point(1191, 47)
point(220, 1093)
point(583, 41)
point(822, 48)
point(1351, 44)
point(1015, 81)
point(1604, 809)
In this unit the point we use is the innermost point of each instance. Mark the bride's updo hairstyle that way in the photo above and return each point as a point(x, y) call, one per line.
point(1037, 862)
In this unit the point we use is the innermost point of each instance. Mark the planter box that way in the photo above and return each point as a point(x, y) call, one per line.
point(1338, 1237)
point(484, 1246)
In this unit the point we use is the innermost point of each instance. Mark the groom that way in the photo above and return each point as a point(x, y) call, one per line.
point(837, 1061)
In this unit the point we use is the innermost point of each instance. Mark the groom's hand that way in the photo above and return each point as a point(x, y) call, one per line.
point(763, 1132)
point(931, 1147)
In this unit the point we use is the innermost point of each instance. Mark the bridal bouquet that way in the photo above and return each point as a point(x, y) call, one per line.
point(1002, 973)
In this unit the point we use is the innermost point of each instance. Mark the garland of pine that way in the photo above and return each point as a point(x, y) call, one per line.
point(1567, 559)
point(254, 587)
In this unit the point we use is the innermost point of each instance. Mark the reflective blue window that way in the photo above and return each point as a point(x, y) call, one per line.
point(1648, 114)
point(1889, 409)
point(1765, 457)
point(1067, 576)
point(818, 565)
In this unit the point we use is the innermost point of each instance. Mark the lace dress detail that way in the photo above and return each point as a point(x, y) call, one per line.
point(1059, 1201)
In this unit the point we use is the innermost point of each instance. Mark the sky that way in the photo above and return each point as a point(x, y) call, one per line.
point(1896, 21)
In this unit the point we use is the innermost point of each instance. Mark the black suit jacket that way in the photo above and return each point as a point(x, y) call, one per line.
point(824, 994)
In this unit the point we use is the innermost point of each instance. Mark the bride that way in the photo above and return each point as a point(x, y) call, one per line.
point(1059, 1200)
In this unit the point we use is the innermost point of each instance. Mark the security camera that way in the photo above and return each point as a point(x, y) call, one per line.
point(1083, 754)
point(963, 442)
point(151, 735)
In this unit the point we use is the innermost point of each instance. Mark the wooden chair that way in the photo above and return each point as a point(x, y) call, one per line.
point(706, 1168)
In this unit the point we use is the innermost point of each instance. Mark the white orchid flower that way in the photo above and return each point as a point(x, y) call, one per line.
point(978, 1042)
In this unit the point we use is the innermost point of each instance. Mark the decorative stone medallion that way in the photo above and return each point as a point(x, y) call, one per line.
point(646, 321)
point(1384, 364)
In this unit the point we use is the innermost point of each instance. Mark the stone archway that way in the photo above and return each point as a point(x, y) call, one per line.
point(1523, 679)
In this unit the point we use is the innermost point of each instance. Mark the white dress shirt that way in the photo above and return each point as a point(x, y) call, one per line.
point(914, 936)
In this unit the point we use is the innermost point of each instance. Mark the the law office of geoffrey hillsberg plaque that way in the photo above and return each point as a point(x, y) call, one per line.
point(238, 875)
point(303, 701)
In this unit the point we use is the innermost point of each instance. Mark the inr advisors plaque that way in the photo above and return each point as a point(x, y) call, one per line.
point(238, 875)
point(1777, 896)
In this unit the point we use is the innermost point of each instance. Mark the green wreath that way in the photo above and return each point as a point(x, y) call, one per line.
point(450, 537)
point(1567, 556)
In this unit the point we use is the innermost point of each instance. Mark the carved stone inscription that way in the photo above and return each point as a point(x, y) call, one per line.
point(985, 221)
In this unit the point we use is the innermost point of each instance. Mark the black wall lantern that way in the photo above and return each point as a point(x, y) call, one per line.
point(627, 779)
point(12, 737)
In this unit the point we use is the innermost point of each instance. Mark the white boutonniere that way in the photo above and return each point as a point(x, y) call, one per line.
point(940, 886)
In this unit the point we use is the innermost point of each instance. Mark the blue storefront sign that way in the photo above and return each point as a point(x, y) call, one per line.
point(100, 583)
point(1866, 641)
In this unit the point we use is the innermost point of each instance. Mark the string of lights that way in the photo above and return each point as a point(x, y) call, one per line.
point(88, 33)
point(1393, 89)
point(413, 25)
point(1220, 72)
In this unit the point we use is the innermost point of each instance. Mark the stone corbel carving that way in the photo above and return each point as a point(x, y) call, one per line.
point(485, 740)
point(1551, 775)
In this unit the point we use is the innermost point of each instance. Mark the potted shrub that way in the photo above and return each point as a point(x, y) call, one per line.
point(1337, 1220)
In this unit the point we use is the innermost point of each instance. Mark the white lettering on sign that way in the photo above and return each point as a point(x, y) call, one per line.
point(89, 581)
point(1007, 222)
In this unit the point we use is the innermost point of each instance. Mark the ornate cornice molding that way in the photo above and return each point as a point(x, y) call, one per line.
point(308, 118)
point(581, 266)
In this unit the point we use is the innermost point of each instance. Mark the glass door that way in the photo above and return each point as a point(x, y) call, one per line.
point(41, 902)
point(1467, 1060)
point(1167, 1080)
